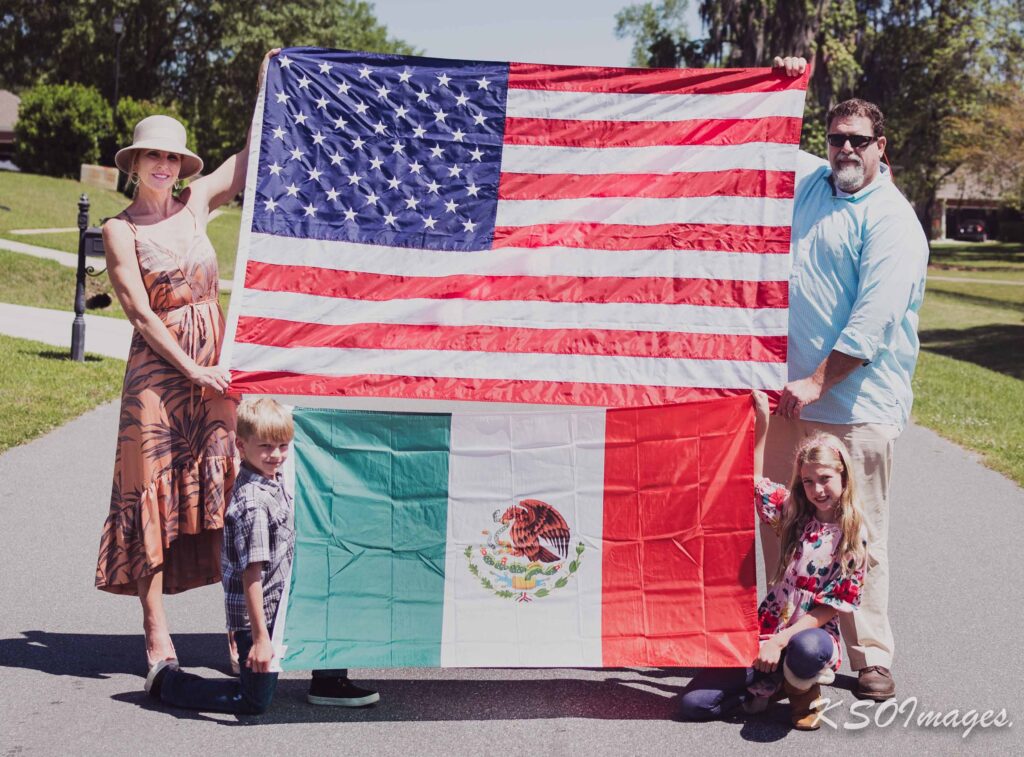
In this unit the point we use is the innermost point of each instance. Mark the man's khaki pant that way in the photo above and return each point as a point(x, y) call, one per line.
point(866, 632)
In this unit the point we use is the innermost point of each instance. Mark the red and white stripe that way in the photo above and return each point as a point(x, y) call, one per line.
point(640, 256)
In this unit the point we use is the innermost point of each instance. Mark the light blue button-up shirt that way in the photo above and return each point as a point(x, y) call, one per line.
point(859, 266)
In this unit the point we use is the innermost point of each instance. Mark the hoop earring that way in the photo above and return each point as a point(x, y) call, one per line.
point(133, 178)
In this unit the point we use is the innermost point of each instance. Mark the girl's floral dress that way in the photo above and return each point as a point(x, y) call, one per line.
point(812, 578)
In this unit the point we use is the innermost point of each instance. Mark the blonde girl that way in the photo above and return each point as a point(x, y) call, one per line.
point(819, 576)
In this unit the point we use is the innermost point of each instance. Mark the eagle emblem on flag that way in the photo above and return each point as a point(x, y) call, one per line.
point(527, 554)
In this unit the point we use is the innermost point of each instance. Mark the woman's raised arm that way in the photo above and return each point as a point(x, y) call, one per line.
point(220, 186)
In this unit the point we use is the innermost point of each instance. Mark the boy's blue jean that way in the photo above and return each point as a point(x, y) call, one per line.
point(716, 692)
point(249, 694)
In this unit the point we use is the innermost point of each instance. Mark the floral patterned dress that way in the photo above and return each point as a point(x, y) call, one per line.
point(176, 461)
point(814, 577)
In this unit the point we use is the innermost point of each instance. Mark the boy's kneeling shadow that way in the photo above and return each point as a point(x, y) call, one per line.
point(639, 697)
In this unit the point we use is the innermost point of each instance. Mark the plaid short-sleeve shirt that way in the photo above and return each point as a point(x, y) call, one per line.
point(258, 527)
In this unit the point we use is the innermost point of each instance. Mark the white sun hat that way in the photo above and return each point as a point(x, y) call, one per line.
point(160, 133)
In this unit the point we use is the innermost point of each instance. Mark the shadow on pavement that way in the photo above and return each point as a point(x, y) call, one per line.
point(102, 655)
point(638, 698)
point(453, 700)
point(766, 727)
point(649, 694)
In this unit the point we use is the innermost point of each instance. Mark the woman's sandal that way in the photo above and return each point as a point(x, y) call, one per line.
point(151, 662)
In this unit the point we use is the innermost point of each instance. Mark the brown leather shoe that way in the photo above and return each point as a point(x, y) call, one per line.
point(875, 682)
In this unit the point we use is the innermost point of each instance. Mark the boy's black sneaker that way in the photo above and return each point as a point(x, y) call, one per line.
point(339, 692)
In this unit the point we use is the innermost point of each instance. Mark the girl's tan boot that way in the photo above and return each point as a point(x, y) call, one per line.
point(805, 704)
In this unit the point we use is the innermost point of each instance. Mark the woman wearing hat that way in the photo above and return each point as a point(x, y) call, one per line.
point(176, 460)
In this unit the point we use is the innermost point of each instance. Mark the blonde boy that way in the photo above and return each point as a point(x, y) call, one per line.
point(255, 563)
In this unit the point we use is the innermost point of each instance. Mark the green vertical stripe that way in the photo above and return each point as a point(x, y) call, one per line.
point(371, 508)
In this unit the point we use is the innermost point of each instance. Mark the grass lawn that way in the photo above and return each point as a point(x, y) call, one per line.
point(28, 201)
point(940, 277)
point(984, 294)
point(978, 256)
point(32, 374)
point(969, 384)
point(42, 202)
point(46, 284)
point(975, 407)
point(223, 233)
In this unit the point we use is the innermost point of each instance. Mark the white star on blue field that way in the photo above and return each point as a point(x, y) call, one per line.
point(381, 149)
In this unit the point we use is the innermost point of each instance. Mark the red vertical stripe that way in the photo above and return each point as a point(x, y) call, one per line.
point(678, 583)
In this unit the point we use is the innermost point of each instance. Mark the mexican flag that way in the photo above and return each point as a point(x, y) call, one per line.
point(567, 538)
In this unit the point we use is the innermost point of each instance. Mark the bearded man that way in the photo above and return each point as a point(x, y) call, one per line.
point(856, 286)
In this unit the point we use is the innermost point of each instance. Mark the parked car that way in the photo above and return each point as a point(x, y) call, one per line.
point(972, 230)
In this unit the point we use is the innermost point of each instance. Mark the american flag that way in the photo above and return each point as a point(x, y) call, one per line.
point(418, 228)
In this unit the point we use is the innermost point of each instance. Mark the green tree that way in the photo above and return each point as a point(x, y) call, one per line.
point(200, 55)
point(74, 41)
point(660, 37)
point(993, 150)
point(220, 92)
point(928, 67)
point(59, 128)
point(746, 33)
point(933, 66)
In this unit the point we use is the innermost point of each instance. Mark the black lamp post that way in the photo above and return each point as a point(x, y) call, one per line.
point(90, 246)
point(78, 325)
point(119, 32)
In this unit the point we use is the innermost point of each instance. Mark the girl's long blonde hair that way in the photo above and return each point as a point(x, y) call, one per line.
point(822, 449)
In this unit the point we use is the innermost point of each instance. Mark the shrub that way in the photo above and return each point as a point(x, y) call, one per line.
point(60, 126)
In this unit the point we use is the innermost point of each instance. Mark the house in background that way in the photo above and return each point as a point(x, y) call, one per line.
point(963, 199)
point(8, 117)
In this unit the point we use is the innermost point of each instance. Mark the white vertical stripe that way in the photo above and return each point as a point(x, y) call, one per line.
point(496, 461)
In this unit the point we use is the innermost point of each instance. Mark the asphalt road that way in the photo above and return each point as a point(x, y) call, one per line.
point(71, 657)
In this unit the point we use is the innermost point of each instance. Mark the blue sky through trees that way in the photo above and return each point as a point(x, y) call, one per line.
point(528, 31)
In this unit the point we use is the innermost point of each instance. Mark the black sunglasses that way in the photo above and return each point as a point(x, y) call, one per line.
point(857, 141)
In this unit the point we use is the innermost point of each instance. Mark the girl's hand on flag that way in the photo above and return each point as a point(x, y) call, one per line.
point(768, 657)
point(760, 400)
point(761, 412)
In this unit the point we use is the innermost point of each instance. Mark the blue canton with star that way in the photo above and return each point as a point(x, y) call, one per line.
point(381, 149)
